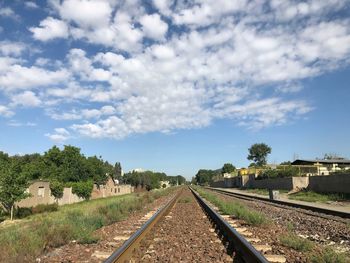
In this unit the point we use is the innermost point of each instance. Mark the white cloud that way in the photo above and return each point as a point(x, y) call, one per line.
point(31, 5)
point(8, 48)
point(15, 123)
point(8, 12)
point(5, 111)
point(163, 52)
point(111, 127)
point(184, 67)
point(60, 135)
point(26, 99)
point(153, 26)
point(50, 28)
point(86, 13)
point(83, 114)
point(15, 76)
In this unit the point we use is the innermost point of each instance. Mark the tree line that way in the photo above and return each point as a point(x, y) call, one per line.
point(257, 153)
point(63, 168)
point(151, 180)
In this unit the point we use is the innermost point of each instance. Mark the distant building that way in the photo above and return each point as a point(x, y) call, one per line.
point(40, 193)
point(323, 166)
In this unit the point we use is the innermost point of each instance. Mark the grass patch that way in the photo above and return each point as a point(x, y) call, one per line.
point(26, 240)
point(259, 191)
point(185, 200)
point(310, 196)
point(328, 255)
point(295, 242)
point(233, 208)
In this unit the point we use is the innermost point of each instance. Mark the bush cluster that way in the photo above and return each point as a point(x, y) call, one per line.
point(288, 171)
point(22, 212)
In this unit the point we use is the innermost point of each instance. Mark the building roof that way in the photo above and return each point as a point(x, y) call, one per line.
point(321, 161)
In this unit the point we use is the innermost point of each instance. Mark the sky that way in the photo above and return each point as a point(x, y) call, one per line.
point(175, 85)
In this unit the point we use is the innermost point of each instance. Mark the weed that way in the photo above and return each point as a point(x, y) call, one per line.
point(44, 208)
point(290, 226)
point(233, 208)
point(328, 255)
point(295, 242)
point(185, 200)
point(310, 196)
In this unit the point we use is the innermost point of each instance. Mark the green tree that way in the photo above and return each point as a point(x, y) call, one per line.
point(73, 168)
point(97, 170)
point(56, 188)
point(258, 153)
point(117, 170)
point(83, 189)
point(228, 168)
point(12, 185)
point(204, 177)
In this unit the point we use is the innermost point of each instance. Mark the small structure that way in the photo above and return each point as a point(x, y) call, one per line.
point(323, 166)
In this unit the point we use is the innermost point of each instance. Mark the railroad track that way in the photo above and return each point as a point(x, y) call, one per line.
point(233, 243)
point(306, 209)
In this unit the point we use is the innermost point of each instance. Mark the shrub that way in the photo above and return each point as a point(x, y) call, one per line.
point(295, 242)
point(286, 171)
point(328, 255)
point(44, 208)
point(22, 212)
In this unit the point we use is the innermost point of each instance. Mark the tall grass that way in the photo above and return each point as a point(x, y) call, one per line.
point(295, 242)
point(310, 196)
point(25, 241)
point(234, 208)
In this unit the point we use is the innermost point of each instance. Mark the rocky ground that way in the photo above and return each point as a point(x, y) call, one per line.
point(184, 235)
point(325, 232)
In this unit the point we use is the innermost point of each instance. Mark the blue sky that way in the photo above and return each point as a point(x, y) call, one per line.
point(175, 86)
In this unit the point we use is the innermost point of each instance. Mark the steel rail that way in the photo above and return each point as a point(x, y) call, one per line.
point(124, 252)
point(283, 204)
point(243, 249)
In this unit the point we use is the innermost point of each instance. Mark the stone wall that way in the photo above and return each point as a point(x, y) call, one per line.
point(339, 183)
point(249, 181)
point(276, 183)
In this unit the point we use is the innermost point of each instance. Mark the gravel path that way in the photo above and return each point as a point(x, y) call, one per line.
point(184, 235)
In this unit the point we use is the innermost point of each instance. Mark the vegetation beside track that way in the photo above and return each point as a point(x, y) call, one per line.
point(310, 251)
point(293, 241)
point(310, 196)
point(234, 208)
point(27, 239)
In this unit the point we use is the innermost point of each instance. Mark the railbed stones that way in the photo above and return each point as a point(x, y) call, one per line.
point(185, 235)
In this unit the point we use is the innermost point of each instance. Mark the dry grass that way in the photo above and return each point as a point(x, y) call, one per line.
point(26, 240)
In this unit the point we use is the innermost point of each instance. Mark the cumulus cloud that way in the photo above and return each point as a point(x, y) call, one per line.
point(8, 12)
point(26, 99)
point(183, 66)
point(15, 76)
point(31, 5)
point(153, 26)
point(5, 111)
point(91, 13)
point(50, 28)
point(60, 135)
point(8, 48)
